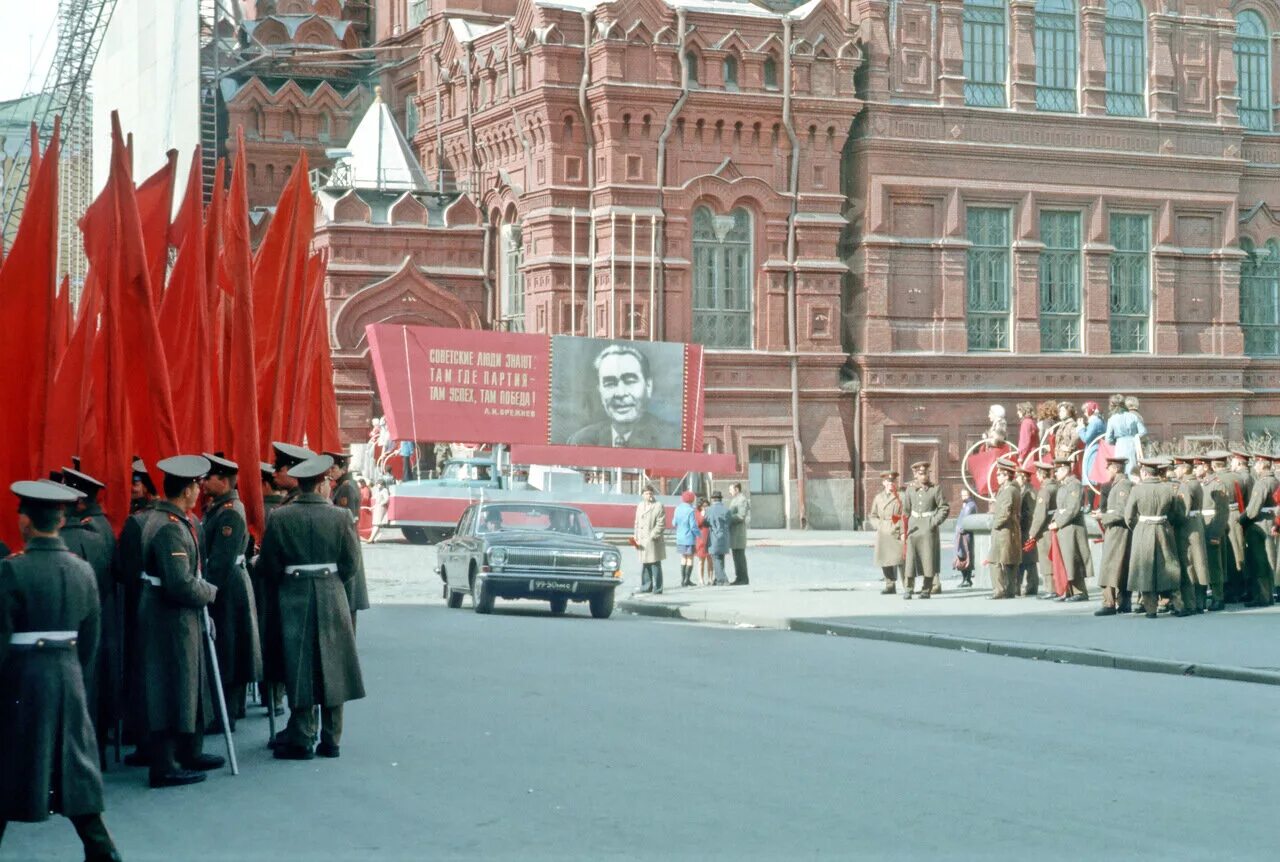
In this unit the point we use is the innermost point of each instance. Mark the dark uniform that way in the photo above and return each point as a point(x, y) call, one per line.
point(309, 554)
point(1217, 517)
point(102, 682)
point(1113, 575)
point(49, 618)
point(1046, 505)
point(346, 495)
point(1259, 549)
point(1153, 513)
point(235, 615)
point(1073, 539)
point(1191, 543)
point(1028, 577)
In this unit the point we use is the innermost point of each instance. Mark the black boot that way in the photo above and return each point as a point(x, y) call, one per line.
point(98, 846)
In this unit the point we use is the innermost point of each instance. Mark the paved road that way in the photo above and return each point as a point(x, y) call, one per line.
point(521, 736)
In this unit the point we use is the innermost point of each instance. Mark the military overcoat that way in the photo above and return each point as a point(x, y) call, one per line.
point(104, 683)
point(1073, 538)
point(347, 496)
point(926, 509)
point(1190, 534)
point(1006, 526)
point(1152, 516)
point(886, 520)
point(1258, 518)
point(1234, 491)
point(235, 615)
point(1026, 514)
point(1046, 508)
point(1115, 535)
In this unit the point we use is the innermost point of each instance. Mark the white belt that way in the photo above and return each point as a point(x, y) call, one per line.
point(1267, 510)
point(1153, 519)
point(1207, 512)
point(311, 569)
point(1050, 511)
point(150, 579)
point(1196, 513)
point(36, 638)
point(239, 561)
point(929, 514)
point(1234, 507)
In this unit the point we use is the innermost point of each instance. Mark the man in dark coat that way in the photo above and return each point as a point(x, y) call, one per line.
point(1215, 513)
point(1152, 514)
point(271, 496)
point(625, 386)
point(126, 569)
point(1006, 532)
point(1113, 576)
point(1045, 508)
point(1257, 518)
point(288, 456)
point(1027, 580)
point(49, 619)
point(720, 523)
point(1191, 536)
point(272, 499)
point(171, 652)
point(235, 616)
point(309, 554)
point(346, 495)
point(1233, 589)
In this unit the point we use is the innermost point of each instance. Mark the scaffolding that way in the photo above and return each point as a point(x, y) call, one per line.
point(219, 50)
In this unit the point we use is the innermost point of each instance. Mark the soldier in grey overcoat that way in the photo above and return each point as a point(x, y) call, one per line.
point(309, 553)
point(926, 508)
point(1259, 547)
point(1028, 576)
point(1190, 536)
point(885, 516)
point(1006, 532)
point(49, 622)
point(1216, 515)
point(1113, 576)
point(1152, 515)
point(1073, 538)
point(1046, 507)
point(346, 495)
point(1234, 588)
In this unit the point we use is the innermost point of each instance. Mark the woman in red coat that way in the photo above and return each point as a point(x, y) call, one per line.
point(700, 545)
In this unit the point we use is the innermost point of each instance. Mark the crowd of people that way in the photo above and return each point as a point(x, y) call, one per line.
point(152, 635)
point(706, 531)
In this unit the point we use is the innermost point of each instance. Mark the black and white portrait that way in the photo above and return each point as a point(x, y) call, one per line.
point(616, 393)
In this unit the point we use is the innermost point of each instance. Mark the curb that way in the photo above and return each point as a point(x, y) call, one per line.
point(1009, 649)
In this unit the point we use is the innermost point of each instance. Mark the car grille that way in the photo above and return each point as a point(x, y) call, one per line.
point(553, 560)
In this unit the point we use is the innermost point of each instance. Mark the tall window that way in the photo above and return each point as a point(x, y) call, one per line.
point(985, 53)
point(764, 469)
point(512, 279)
point(1060, 299)
point(1056, 55)
point(1126, 55)
point(987, 298)
point(1260, 298)
point(722, 272)
point(1253, 71)
point(418, 10)
point(1130, 283)
point(770, 73)
point(691, 73)
point(731, 73)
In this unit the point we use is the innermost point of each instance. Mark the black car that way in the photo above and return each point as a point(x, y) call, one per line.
point(528, 551)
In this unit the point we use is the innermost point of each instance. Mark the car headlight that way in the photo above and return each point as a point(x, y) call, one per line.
point(611, 562)
point(497, 557)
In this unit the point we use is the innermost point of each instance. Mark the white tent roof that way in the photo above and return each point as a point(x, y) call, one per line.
point(380, 156)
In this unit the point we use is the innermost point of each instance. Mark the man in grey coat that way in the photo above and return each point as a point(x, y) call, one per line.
point(719, 543)
point(739, 520)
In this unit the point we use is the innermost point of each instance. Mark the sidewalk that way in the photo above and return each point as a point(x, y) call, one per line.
point(801, 588)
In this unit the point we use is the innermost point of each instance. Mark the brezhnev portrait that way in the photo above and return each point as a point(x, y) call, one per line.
point(616, 393)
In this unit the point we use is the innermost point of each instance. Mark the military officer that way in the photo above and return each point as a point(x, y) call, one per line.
point(171, 649)
point(1152, 516)
point(1006, 532)
point(1114, 575)
point(1194, 555)
point(1073, 538)
point(1041, 517)
point(1258, 518)
point(49, 617)
point(926, 508)
point(346, 495)
point(1028, 577)
point(272, 499)
point(126, 569)
point(88, 507)
point(287, 457)
point(886, 520)
point(1233, 589)
point(309, 553)
point(271, 496)
point(235, 616)
point(1215, 513)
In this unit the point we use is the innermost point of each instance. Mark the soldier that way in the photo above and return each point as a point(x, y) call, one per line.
point(1233, 589)
point(1028, 577)
point(1006, 532)
point(346, 495)
point(1114, 576)
point(886, 520)
point(288, 456)
point(1258, 518)
point(1190, 536)
point(171, 649)
point(271, 496)
point(272, 499)
point(1072, 537)
point(126, 569)
point(1215, 513)
point(309, 553)
point(926, 509)
point(1046, 507)
point(1152, 515)
point(235, 616)
point(48, 634)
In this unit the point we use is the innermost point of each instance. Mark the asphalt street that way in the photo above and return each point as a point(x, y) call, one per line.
point(523, 736)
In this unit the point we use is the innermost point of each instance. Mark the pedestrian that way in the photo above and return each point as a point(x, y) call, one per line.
point(720, 525)
point(1090, 429)
point(1258, 519)
point(364, 525)
point(1046, 507)
point(926, 508)
point(1028, 577)
point(1113, 575)
point(309, 556)
point(234, 612)
point(1125, 431)
point(1151, 514)
point(381, 500)
point(1028, 432)
point(739, 519)
point(346, 496)
point(700, 548)
point(1190, 536)
point(648, 539)
point(1215, 512)
point(685, 521)
point(886, 519)
point(1069, 533)
point(1006, 531)
point(407, 448)
point(171, 648)
point(963, 562)
point(1046, 418)
point(49, 623)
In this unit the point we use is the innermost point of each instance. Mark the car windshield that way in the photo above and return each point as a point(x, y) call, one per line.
point(461, 471)
point(555, 519)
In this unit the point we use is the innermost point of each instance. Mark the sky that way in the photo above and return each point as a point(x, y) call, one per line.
point(27, 27)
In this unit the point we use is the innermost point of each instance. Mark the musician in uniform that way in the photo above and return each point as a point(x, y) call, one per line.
point(1046, 507)
point(926, 508)
point(171, 649)
point(886, 519)
point(1006, 532)
point(1113, 577)
point(1152, 516)
point(1028, 577)
point(49, 618)
point(309, 554)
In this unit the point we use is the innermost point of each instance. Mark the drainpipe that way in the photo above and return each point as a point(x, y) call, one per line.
point(658, 315)
point(588, 136)
point(435, 58)
point(792, 301)
point(473, 167)
point(490, 297)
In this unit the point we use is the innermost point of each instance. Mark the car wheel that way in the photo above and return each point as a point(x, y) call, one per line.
point(601, 605)
point(416, 535)
point(481, 598)
point(452, 598)
point(558, 607)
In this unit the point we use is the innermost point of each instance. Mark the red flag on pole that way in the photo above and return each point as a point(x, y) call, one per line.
point(69, 400)
point(1060, 579)
point(154, 204)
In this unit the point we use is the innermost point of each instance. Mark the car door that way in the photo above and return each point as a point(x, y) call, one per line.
point(450, 550)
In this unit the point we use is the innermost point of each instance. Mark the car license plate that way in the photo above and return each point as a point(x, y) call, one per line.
point(554, 586)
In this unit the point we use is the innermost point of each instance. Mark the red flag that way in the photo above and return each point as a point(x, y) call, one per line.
point(154, 203)
point(1060, 579)
point(241, 405)
point(60, 330)
point(980, 466)
point(320, 399)
point(28, 284)
point(69, 400)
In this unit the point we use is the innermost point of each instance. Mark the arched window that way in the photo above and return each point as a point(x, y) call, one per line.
point(511, 278)
point(1056, 50)
point(723, 267)
point(1126, 55)
point(1260, 298)
point(770, 73)
point(985, 53)
point(691, 70)
point(731, 73)
point(1253, 71)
